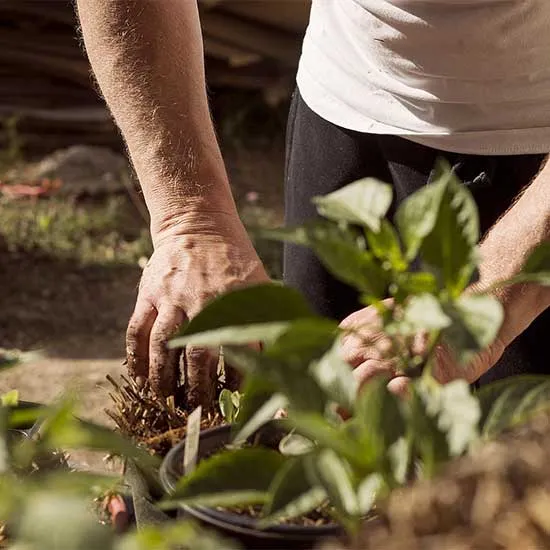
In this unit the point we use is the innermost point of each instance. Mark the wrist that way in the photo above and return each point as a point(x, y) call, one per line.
point(195, 222)
point(522, 303)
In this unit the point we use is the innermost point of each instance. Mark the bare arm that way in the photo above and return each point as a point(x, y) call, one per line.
point(147, 57)
point(505, 249)
point(504, 252)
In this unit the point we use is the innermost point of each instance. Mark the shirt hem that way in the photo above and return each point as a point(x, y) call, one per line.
point(521, 141)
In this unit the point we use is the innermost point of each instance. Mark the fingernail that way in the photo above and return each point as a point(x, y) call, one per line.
point(140, 381)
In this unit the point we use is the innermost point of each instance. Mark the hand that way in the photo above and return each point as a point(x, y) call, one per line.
point(194, 260)
point(370, 352)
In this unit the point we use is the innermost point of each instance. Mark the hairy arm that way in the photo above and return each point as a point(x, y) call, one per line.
point(147, 57)
point(505, 250)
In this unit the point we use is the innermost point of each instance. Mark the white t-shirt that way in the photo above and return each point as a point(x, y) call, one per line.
point(471, 76)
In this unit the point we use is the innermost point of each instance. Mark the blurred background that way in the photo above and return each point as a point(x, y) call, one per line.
point(73, 225)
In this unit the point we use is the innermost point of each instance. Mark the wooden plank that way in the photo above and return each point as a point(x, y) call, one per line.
point(289, 15)
point(56, 11)
point(279, 45)
point(235, 57)
point(61, 44)
point(77, 71)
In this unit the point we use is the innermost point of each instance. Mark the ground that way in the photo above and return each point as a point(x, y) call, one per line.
point(69, 273)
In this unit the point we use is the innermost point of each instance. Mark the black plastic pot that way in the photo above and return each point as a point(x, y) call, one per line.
point(236, 526)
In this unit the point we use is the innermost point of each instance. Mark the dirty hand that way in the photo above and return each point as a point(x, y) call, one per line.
point(194, 260)
point(370, 352)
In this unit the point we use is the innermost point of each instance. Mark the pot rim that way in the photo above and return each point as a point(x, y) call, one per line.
point(232, 521)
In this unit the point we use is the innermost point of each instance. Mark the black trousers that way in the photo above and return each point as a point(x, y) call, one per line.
point(322, 157)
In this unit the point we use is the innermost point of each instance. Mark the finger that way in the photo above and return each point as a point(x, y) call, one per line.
point(163, 362)
point(354, 350)
point(202, 374)
point(137, 339)
point(419, 344)
point(366, 319)
point(369, 369)
point(399, 386)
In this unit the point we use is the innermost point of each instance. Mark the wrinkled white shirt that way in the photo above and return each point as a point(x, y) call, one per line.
point(471, 76)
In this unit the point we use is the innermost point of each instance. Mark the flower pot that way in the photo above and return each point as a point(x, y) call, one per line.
point(232, 525)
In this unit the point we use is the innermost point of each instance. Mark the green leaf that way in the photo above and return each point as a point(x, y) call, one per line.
point(220, 499)
point(441, 223)
point(62, 430)
point(451, 247)
point(260, 304)
point(409, 284)
point(292, 493)
point(476, 322)
point(335, 376)
point(417, 215)
point(537, 267)
point(39, 526)
point(424, 312)
point(232, 335)
point(378, 412)
point(367, 492)
point(235, 477)
point(341, 252)
point(456, 410)
point(263, 415)
point(304, 340)
point(294, 444)
point(302, 391)
point(335, 476)
point(385, 246)
point(4, 447)
point(236, 397)
point(511, 402)
point(428, 439)
point(364, 202)
point(256, 391)
point(227, 408)
point(400, 454)
point(10, 399)
point(459, 414)
point(317, 429)
point(539, 260)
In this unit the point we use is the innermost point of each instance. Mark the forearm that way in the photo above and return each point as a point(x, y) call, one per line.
point(505, 249)
point(147, 57)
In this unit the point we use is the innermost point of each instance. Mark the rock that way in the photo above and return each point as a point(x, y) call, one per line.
point(81, 170)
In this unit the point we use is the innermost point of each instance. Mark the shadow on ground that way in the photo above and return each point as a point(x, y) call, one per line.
point(65, 309)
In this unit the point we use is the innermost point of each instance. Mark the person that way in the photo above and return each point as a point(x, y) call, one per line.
point(385, 87)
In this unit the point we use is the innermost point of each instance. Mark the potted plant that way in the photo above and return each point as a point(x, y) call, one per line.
point(346, 449)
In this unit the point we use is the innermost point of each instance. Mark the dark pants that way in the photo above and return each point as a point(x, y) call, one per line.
point(322, 157)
